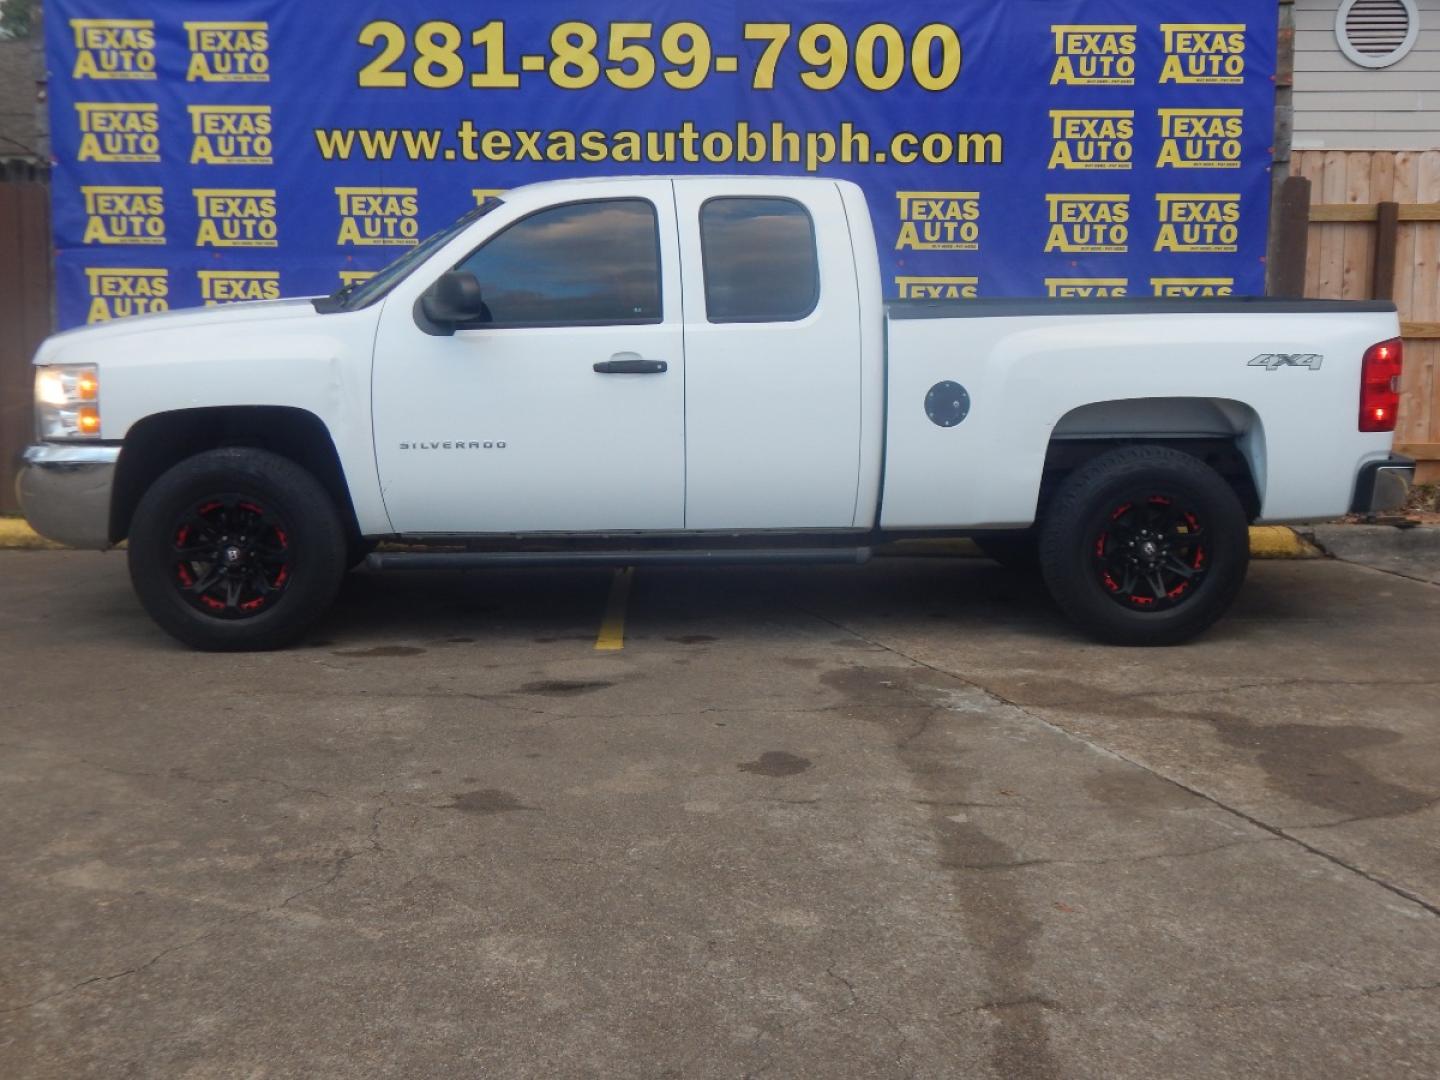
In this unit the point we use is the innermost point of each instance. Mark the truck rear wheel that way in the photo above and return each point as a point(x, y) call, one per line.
point(1144, 546)
point(236, 549)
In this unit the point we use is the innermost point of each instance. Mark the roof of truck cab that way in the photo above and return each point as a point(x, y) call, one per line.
point(591, 181)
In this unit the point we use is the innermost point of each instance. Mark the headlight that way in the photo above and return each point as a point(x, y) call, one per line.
point(67, 401)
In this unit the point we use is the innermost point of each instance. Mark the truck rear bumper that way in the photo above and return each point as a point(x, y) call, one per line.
point(64, 492)
point(1383, 485)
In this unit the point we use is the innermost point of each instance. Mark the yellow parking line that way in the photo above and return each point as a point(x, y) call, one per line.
point(612, 627)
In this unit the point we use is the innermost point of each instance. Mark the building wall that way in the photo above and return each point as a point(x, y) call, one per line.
point(1342, 106)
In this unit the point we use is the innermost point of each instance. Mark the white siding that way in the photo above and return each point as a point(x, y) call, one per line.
point(1342, 106)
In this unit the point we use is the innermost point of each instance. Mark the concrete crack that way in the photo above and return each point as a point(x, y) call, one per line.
point(849, 987)
point(1271, 684)
point(341, 863)
point(1373, 817)
point(1032, 1001)
point(179, 774)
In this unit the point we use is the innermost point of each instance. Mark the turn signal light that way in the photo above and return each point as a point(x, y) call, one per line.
point(1380, 385)
point(67, 401)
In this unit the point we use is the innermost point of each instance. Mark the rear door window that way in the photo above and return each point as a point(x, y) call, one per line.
point(760, 260)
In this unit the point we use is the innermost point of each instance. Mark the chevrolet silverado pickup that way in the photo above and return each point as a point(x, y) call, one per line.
point(652, 370)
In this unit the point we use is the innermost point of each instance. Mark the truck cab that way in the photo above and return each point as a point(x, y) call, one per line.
point(643, 355)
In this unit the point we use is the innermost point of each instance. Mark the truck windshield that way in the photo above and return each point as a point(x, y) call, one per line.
point(360, 294)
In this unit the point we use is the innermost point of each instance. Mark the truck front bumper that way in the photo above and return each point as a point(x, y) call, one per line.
point(1383, 486)
point(64, 491)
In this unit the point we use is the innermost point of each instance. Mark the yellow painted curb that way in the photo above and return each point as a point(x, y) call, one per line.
point(16, 535)
point(1280, 542)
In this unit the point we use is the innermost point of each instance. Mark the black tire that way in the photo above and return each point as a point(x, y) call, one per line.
point(1014, 551)
point(258, 528)
point(1144, 546)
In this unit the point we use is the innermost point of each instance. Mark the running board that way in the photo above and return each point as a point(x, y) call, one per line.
point(528, 560)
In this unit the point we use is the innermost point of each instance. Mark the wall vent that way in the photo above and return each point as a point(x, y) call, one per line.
point(1376, 33)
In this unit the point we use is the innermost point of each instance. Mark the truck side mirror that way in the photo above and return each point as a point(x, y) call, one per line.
point(452, 301)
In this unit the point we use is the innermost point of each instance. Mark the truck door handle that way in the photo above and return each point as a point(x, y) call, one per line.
point(631, 364)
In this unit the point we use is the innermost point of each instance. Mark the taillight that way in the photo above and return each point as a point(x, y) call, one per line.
point(1380, 386)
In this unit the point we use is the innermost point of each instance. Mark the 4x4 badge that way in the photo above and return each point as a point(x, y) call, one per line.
point(1276, 360)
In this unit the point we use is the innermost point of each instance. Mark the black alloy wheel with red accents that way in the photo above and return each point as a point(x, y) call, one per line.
point(1150, 553)
point(1144, 545)
point(232, 556)
point(236, 549)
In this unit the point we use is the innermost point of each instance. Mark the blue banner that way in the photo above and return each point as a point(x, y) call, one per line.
point(209, 151)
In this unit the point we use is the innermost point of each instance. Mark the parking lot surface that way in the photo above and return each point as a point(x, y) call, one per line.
point(889, 821)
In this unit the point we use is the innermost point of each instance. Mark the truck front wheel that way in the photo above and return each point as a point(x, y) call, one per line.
point(236, 549)
point(1144, 546)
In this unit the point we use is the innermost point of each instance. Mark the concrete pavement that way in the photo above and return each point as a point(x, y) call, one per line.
point(888, 821)
point(1410, 552)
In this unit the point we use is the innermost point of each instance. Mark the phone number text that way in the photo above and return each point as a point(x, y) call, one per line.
point(631, 55)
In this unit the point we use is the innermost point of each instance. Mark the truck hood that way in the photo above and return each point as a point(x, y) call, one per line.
point(82, 342)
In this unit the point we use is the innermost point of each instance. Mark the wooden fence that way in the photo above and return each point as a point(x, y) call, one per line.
point(1375, 233)
point(25, 291)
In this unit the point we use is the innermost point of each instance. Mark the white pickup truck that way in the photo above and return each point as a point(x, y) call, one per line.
point(657, 370)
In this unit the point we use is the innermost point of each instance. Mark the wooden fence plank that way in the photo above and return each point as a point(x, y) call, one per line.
point(1407, 184)
point(1387, 235)
point(1292, 238)
point(1343, 212)
point(1332, 241)
point(1359, 243)
point(14, 396)
point(1425, 300)
point(1311, 165)
point(1382, 177)
point(1416, 382)
point(25, 304)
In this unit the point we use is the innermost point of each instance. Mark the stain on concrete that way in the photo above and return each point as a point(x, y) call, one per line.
point(693, 639)
point(380, 650)
point(869, 688)
point(460, 641)
point(776, 763)
point(485, 801)
point(1316, 764)
point(1312, 763)
point(1135, 793)
point(564, 687)
point(800, 663)
point(1001, 923)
